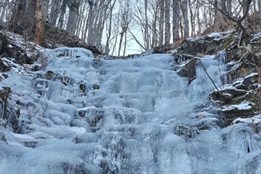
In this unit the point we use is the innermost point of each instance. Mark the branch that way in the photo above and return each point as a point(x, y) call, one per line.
point(224, 12)
point(138, 42)
point(212, 81)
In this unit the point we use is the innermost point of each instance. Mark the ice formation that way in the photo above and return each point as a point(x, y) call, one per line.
point(80, 114)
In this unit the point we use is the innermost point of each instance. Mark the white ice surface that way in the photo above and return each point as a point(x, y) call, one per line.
point(125, 121)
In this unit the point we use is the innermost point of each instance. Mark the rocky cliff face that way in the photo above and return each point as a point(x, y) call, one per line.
point(240, 95)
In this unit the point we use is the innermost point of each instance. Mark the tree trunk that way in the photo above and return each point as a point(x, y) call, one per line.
point(259, 6)
point(90, 23)
point(3, 10)
point(125, 44)
point(229, 6)
point(175, 19)
point(73, 15)
point(146, 26)
point(107, 50)
point(192, 18)
point(55, 9)
point(220, 20)
point(62, 13)
point(154, 29)
point(45, 7)
point(167, 21)
point(17, 16)
point(39, 20)
point(120, 44)
point(184, 9)
point(198, 17)
point(161, 22)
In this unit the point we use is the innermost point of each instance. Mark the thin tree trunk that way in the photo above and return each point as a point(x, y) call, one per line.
point(45, 7)
point(154, 29)
point(120, 44)
point(55, 9)
point(167, 21)
point(229, 6)
point(125, 44)
point(62, 13)
point(108, 33)
point(90, 24)
point(39, 20)
point(3, 10)
point(146, 25)
point(192, 18)
point(184, 9)
point(17, 15)
point(175, 19)
point(198, 17)
point(161, 22)
point(73, 15)
point(259, 6)
point(220, 21)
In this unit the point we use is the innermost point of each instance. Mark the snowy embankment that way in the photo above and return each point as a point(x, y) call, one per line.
point(79, 114)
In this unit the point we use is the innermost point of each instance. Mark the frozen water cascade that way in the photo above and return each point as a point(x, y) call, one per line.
point(84, 115)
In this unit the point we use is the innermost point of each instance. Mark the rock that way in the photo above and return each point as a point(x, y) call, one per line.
point(95, 87)
point(35, 68)
point(185, 131)
point(240, 70)
point(203, 45)
point(4, 67)
point(96, 63)
point(15, 46)
point(3, 44)
point(243, 109)
point(250, 80)
point(222, 97)
point(82, 87)
point(189, 69)
point(49, 75)
point(233, 54)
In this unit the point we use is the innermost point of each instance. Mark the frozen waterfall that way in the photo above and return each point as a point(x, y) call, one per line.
point(134, 116)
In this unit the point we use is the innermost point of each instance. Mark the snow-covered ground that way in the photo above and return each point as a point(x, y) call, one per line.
point(79, 114)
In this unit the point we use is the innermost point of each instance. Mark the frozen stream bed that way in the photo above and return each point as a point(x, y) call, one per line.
point(136, 116)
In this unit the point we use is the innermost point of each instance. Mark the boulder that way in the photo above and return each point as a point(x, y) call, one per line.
point(209, 44)
point(243, 109)
point(17, 47)
point(241, 70)
point(4, 67)
point(189, 69)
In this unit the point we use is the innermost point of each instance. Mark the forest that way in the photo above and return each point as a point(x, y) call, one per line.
point(120, 27)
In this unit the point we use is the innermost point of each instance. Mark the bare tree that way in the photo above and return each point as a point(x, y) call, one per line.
point(125, 21)
point(161, 21)
point(39, 23)
point(175, 19)
point(73, 15)
point(220, 7)
point(109, 28)
point(167, 21)
point(45, 8)
point(146, 26)
point(184, 9)
point(62, 14)
point(259, 5)
point(55, 10)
